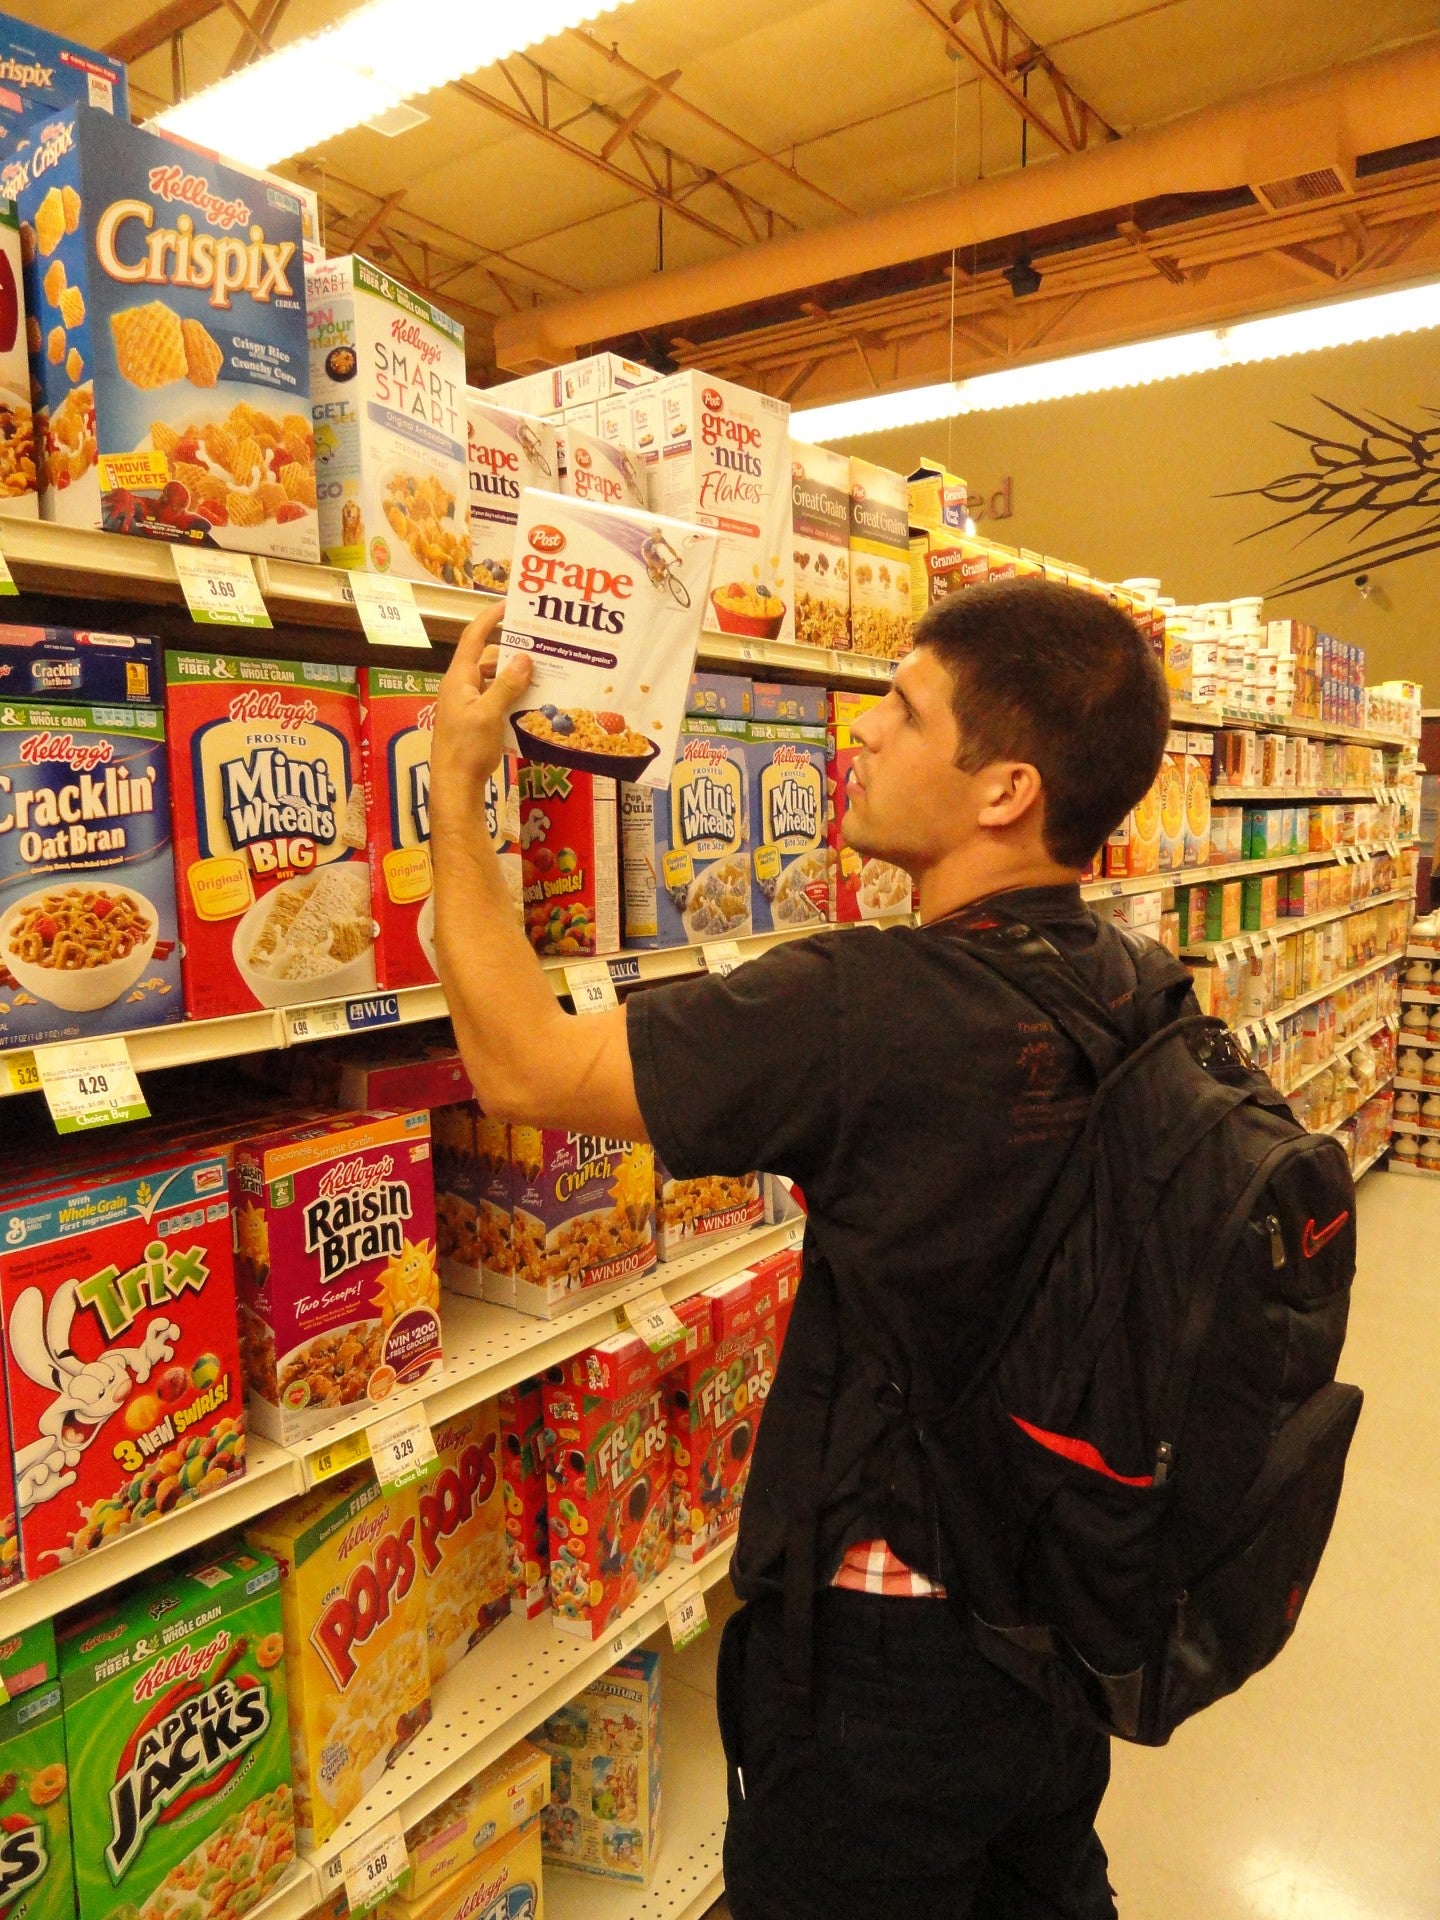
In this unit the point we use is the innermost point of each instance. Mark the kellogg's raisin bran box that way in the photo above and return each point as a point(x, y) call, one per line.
point(527, 1538)
point(118, 1295)
point(170, 351)
point(569, 860)
point(36, 1871)
point(462, 1537)
point(177, 1725)
point(270, 832)
point(689, 1213)
point(584, 1215)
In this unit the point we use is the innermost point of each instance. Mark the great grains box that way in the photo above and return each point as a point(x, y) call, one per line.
point(820, 535)
point(36, 1871)
point(881, 609)
point(387, 374)
point(168, 290)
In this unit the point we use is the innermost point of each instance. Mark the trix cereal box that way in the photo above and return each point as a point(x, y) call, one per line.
point(687, 850)
point(605, 1765)
point(352, 1594)
point(789, 825)
point(462, 1537)
point(501, 1883)
point(820, 530)
point(527, 1535)
point(270, 833)
point(176, 1723)
point(606, 602)
point(507, 453)
point(864, 888)
point(87, 885)
point(689, 1213)
point(60, 663)
point(715, 1401)
point(503, 1797)
point(569, 860)
point(387, 374)
point(36, 1877)
point(335, 1264)
point(124, 1376)
point(167, 287)
point(584, 1215)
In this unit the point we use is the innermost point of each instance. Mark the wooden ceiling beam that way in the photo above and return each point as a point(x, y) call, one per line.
point(152, 32)
point(265, 19)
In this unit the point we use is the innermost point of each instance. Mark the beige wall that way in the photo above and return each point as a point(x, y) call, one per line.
point(1132, 483)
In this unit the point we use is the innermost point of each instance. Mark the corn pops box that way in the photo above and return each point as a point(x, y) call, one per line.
point(177, 1725)
point(605, 1773)
point(118, 1295)
point(607, 604)
point(36, 1872)
point(270, 832)
point(507, 452)
point(527, 1535)
point(387, 372)
point(335, 1262)
point(505, 1796)
point(687, 850)
point(462, 1537)
point(169, 347)
point(19, 488)
point(352, 1598)
point(584, 1215)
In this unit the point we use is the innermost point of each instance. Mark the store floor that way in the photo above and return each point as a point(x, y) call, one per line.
point(1310, 1795)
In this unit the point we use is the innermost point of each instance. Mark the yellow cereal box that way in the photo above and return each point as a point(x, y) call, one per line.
point(462, 1537)
point(1171, 786)
point(506, 1795)
point(352, 1596)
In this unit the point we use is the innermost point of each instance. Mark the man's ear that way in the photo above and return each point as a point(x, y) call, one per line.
point(1013, 791)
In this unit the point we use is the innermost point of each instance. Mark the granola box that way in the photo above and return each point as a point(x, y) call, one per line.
point(352, 1599)
point(789, 825)
point(506, 452)
point(36, 1868)
point(605, 1774)
point(687, 848)
point(569, 860)
point(584, 1215)
point(169, 347)
point(270, 832)
point(87, 884)
point(19, 490)
point(863, 888)
point(66, 663)
point(118, 1295)
point(820, 537)
point(387, 376)
point(522, 1460)
point(462, 1537)
point(177, 1727)
point(607, 604)
point(505, 1796)
point(692, 1213)
point(881, 611)
point(715, 1400)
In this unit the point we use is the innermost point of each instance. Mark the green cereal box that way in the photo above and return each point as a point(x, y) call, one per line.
point(35, 1872)
point(177, 1729)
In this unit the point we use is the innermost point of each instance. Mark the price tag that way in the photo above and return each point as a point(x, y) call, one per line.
point(722, 956)
point(1392, 1021)
point(90, 1083)
point(402, 1447)
point(1273, 936)
point(22, 1073)
point(591, 987)
point(1257, 946)
point(625, 1639)
point(7, 582)
point(220, 588)
point(315, 1023)
point(655, 1320)
point(685, 1610)
point(1272, 1026)
point(374, 1865)
point(387, 610)
point(337, 1456)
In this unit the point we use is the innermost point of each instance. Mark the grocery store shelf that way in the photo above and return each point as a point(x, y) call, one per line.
point(1184, 714)
point(292, 1899)
point(1417, 1127)
point(1342, 1047)
point(1403, 1085)
point(1420, 997)
point(1407, 1038)
point(1408, 1167)
point(1207, 949)
point(1334, 1126)
point(788, 660)
point(1333, 986)
point(1373, 1160)
point(1226, 794)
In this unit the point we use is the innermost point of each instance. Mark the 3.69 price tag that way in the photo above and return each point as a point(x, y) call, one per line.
point(220, 588)
point(375, 1864)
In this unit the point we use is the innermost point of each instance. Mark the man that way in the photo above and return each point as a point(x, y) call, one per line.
point(925, 1108)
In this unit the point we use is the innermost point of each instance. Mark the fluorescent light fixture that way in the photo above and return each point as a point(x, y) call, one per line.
point(377, 56)
point(1336, 323)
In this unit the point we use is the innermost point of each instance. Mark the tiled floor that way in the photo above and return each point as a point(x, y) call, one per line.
point(1312, 1795)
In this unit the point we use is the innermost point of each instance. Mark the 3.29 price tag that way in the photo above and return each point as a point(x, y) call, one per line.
point(374, 1865)
point(591, 987)
point(220, 588)
point(90, 1083)
point(402, 1447)
point(655, 1320)
point(387, 610)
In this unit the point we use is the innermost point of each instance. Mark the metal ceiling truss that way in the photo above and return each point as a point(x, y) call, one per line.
point(1004, 55)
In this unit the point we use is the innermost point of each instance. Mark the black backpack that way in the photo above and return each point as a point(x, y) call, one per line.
point(1137, 1482)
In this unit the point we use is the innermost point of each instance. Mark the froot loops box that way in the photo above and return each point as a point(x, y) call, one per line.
point(336, 1266)
point(36, 1873)
point(122, 1362)
point(167, 292)
point(177, 1728)
point(527, 1535)
point(583, 1218)
point(270, 832)
point(462, 1537)
point(715, 1401)
point(605, 1774)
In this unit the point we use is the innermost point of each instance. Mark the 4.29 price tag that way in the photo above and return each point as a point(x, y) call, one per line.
point(90, 1083)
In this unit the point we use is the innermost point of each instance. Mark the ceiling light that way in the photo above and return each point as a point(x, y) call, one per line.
point(1023, 278)
point(364, 66)
point(1336, 323)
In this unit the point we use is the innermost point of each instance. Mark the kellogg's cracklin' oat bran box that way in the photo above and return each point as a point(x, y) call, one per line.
point(335, 1266)
point(36, 1877)
point(584, 1215)
point(462, 1537)
point(270, 832)
point(352, 1599)
point(177, 1725)
point(168, 291)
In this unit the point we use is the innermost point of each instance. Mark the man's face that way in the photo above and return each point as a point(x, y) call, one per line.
point(908, 801)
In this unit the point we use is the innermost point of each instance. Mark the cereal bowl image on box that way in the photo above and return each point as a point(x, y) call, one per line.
point(57, 919)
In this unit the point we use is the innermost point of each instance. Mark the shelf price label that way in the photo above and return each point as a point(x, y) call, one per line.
point(402, 1447)
point(315, 1023)
point(591, 987)
point(722, 956)
point(374, 1865)
point(21, 1073)
point(655, 1320)
point(337, 1456)
point(387, 610)
point(90, 1083)
point(685, 1610)
point(220, 588)
point(7, 579)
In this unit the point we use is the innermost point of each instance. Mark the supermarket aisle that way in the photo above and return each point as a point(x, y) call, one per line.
point(1310, 1796)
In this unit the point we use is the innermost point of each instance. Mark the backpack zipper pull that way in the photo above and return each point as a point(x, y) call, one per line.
point(1277, 1242)
point(1164, 1460)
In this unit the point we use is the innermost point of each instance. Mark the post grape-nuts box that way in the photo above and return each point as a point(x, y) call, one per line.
point(508, 452)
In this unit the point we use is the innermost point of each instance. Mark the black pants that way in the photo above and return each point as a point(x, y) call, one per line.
point(934, 1785)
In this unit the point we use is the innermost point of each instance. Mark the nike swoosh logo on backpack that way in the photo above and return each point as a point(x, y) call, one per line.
point(1312, 1242)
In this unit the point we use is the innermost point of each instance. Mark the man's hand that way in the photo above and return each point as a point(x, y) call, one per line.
point(470, 724)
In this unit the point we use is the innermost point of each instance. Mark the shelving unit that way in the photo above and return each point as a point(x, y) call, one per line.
point(1207, 949)
point(1342, 1047)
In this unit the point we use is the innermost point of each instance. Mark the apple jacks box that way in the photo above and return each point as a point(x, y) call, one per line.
point(607, 603)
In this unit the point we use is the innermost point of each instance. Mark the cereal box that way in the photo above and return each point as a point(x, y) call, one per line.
point(36, 1872)
point(790, 702)
point(1199, 748)
point(177, 1727)
point(19, 495)
point(10, 1573)
point(789, 826)
point(569, 860)
point(457, 1197)
point(584, 1215)
point(605, 1771)
point(501, 1883)
point(87, 885)
point(170, 345)
point(687, 850)
point(505, 1796)
point(605, 471)
point(692, 1213)
point(820, 529)
point(352, 1596)
point(1171, 784)
point(607, 604)
point(63, 663)
point(880, 607)
point(863, 888)
point(720, 696)
point(507, 452)
point(118, 1297)
point(527, 1534)
point(335, 1263)
point(270, 832)
point(496, 1204)
point(462, 1537)
point(715, 1401)
point(387, 377)
point(40, 70)
point(607, 1477)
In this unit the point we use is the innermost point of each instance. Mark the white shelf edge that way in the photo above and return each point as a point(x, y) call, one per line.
point(1206, 949)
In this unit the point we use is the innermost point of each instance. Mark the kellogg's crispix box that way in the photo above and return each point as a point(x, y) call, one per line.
point(167, 341)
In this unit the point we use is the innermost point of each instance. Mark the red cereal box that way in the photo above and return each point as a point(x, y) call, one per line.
point(570, 860)
point(462, 1537)
point(527, 1535)
point(862, 888)
point(336, 1268)
point(272, 883)
point(583, 1218)
point(118, 1296)
point(10, 1574)
point(715, 1401)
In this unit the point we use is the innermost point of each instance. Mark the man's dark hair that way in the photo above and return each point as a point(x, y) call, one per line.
point(1062, 679)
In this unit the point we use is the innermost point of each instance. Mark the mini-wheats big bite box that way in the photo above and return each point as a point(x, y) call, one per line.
point(36, 1880)
point(177, 1730)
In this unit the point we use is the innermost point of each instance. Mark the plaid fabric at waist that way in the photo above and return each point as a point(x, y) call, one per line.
point(870, 1567)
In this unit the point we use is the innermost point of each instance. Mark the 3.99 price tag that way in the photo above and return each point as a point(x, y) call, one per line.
point(220, 588)
point(402, 1447)
point(90, 1083)
point(374, 1865)
point(591, 987)
point(387, 610)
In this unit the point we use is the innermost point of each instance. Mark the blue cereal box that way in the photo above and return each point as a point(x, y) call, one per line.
point(720, 696)
point(788, 826)
point(795, 705)
point(87, 889)
point(686, 845)
point(66, 663)
point(166, 296)
point(40, 70)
